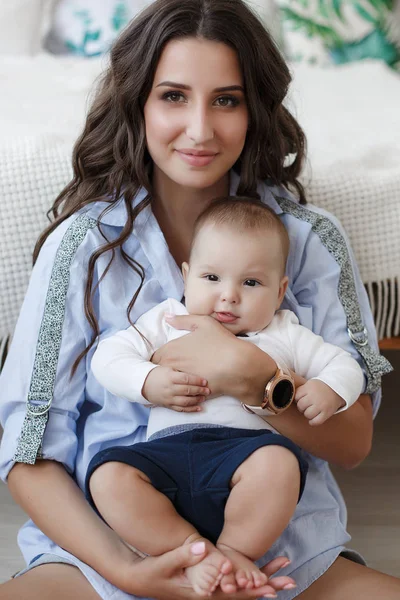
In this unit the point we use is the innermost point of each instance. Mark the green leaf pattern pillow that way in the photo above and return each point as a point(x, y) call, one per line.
point(338, 31)
point(87, 28)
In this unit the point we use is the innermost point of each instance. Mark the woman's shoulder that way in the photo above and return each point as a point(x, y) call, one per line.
point(298, 217)
point(80, 226)
point(83, 232)
point(313, 231)
point(66, 252)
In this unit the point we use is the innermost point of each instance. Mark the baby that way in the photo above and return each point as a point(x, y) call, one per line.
point(211, 469)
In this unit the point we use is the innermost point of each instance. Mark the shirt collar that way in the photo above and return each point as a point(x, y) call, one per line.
point(117, 214)
point(265, 190)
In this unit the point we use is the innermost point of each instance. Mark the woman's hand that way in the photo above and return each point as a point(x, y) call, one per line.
point(230, 365)
point(163, 577)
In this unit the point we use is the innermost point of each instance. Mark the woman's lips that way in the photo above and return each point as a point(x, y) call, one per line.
point(196, 160)
point(225, 317)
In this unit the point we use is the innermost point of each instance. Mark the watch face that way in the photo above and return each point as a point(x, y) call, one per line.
point(283, 393)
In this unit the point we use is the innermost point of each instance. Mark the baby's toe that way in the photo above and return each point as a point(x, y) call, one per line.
point(244, 579)
point(200, 591)
point(228, 583)
point(259, 579)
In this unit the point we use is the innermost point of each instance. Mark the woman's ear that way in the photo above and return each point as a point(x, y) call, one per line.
point(282, 290)
point(185, 270)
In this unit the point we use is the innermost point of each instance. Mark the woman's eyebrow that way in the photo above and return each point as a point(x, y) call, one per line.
point(182, 86)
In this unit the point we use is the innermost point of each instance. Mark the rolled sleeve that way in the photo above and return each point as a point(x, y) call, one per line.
point(327, 285)
point(59, 441)
point(49, 336)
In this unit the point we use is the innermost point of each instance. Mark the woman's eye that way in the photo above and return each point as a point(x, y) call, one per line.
point(212, 277)
point(173, 97)
point(251, 282)
point(227, 101)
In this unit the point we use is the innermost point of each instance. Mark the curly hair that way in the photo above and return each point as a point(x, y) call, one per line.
point(110, 159)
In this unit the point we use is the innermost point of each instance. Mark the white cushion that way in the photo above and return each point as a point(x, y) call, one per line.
point(20, 26)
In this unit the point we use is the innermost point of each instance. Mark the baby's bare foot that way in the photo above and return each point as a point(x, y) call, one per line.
point(207, 574)
point(246, 574)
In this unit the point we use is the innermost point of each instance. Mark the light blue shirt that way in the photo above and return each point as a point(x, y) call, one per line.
point(84, 418)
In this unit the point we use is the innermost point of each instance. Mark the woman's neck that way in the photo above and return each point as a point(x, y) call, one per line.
point(176, 209)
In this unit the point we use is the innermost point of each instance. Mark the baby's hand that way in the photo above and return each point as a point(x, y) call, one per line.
point(317, 401)
point(176, 390)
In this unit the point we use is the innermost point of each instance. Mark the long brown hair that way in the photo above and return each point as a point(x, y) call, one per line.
point(110, 159)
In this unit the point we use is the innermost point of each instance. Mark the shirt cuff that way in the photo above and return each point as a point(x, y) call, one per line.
point(59, 441)
point(138, 380)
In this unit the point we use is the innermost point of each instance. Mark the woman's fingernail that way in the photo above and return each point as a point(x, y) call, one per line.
point(270, 596)
point(289, 586)
point(286, 564)
point(198, 548)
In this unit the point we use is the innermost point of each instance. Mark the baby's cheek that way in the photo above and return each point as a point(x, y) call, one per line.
point(196, 305)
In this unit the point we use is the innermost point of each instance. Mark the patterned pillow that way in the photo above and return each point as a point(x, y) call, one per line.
point(88, 27)
point(327, 32)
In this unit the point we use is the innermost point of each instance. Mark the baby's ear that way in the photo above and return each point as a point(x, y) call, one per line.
point(185, 270)
point(282, 290)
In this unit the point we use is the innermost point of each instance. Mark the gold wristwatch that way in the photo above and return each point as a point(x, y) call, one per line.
point(278, 394)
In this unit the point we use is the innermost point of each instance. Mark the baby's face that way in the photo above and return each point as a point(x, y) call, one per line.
point(235, 277)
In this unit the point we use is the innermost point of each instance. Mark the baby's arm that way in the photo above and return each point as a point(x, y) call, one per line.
point(334, 378)
point(122, 364)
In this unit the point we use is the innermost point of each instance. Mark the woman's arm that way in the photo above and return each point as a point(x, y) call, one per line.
point(231, 366)
point(57, 506)
point(51, 332)
point(240, 369)
point(345, 439)
point(54, 498)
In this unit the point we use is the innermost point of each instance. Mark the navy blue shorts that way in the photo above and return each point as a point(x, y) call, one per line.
point(194, 468)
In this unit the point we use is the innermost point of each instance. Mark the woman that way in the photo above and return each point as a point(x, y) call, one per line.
point(190, 109)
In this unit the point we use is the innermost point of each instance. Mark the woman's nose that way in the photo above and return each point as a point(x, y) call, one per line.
point(200, 128)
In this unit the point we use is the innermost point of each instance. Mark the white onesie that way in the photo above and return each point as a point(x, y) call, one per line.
point(121, 364)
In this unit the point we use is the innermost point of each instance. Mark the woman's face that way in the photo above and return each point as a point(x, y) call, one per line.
point(196, 115)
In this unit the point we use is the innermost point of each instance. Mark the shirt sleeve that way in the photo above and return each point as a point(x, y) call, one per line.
point(122, 362)
point(327, 284)
point(39, 400)
point(316, 359)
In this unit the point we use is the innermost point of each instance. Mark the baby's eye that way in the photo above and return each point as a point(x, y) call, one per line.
point(251, 282)
point(211, 277)
point(173, 97)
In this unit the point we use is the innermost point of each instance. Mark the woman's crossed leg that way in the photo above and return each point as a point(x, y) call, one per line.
point(348, 580)
point(47, 582)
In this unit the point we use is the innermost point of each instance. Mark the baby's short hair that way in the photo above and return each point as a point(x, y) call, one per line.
point(243, 214)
